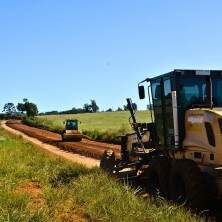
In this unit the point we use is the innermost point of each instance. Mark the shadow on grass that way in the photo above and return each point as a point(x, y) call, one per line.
point(64, 176)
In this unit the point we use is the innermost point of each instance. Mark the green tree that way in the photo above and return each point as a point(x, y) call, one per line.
point(31, 109)
point(119, 109)
point(25, 100)
point(9, 108)
point(28, 107)
point(21, 107)
point(87, 108)
point(94, 106)
point(134, 105)
point(109, 110)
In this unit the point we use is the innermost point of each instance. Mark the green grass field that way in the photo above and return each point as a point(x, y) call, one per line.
point(104, 126)
point(38, 187)
point(99, 121)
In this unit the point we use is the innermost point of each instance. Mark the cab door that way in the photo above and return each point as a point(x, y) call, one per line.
point(163, 111)
point(168, 113)
point(157, 91)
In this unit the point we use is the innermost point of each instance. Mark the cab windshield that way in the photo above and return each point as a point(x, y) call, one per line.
point(71, 125)
point(217, 92)
point(195, 92)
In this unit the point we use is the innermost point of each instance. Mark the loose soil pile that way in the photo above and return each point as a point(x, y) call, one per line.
point(85, 147)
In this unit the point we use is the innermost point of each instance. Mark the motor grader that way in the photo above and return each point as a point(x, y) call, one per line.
point(178, 154)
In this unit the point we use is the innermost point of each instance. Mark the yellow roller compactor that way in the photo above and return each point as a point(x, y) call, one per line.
point(71, 131)
point(178, 154)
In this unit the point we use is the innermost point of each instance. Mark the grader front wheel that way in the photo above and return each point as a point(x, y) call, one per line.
point(156, 177)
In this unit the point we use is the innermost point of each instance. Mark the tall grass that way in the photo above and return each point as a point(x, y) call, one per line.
point(101, 121)
point(106, 126)
point(36, 187)
point(26, 193)
point(43, 124)
point(115, 202)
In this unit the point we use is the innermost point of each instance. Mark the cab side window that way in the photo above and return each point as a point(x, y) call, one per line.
point(156, 92)
point(167, 91)
point(217, 95)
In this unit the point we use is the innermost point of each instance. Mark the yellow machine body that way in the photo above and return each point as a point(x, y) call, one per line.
point(71, 132)
point(72, 135)
point(203, 136)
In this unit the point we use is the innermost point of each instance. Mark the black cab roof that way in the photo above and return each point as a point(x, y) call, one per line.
point(189, 72)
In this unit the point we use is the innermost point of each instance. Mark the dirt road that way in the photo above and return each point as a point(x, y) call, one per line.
point(85, 148)
point(77, 158)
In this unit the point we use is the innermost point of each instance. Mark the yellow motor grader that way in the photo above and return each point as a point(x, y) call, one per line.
point(178, 154)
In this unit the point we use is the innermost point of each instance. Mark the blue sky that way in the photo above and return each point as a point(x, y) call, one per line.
point(61, 54)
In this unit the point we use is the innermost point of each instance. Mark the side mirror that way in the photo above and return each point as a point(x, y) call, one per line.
point(141, 92)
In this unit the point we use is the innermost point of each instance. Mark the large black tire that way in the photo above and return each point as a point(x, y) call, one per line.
point(187, 185)
point(156, 177)
point(108, 161)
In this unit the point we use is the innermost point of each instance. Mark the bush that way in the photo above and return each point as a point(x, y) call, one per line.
point(42, 124)
point(109, 136)
point(17, 116)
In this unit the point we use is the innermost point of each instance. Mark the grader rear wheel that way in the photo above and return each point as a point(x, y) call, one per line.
point(187, 185)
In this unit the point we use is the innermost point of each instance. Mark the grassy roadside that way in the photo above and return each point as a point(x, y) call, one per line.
point(106, 126)
point(38, 187)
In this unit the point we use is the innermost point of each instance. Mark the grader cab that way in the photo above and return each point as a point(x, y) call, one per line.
point(178, 154)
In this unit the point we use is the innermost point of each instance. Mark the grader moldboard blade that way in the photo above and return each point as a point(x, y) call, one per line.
point(123, 172)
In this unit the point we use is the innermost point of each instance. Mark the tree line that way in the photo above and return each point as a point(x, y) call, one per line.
point(91, 107)
point(30, 109)
point(24, 108)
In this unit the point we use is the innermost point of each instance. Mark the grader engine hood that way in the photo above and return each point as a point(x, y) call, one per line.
point(217, 111)
point(203, 135)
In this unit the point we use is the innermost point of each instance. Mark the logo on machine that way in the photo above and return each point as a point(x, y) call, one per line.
point(195, 119)
point(203, 72)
